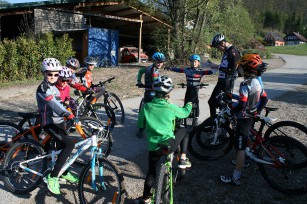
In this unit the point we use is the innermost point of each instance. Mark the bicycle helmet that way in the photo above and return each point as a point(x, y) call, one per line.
point(250, 63)
point(163, 85)
point(217, 39)
point(194, 57)
point(158, 56)
point(262, 68)
point(73, 63)
point(90, 60)
point(65, 73)
point(51, 64)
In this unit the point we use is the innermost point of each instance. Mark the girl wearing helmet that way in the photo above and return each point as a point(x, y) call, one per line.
point(157, 118)
point(227, 70)
point(86, 77)
point(249, 95)
point(52, 112)
point(193, 76)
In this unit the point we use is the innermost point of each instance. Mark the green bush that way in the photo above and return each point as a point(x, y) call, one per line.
point(21, 59)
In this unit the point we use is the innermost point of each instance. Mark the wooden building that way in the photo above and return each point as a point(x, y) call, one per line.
point(272, 38)
point(294, 38)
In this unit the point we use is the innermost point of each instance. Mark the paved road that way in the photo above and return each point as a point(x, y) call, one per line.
point(129, 152)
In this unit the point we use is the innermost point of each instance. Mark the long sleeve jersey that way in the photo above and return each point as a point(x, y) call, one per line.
point(151, 74)
point(49, 104)
point(228, 66)
point(158, 119)
point(64, 92)
point(193, 75)
point(86, 77)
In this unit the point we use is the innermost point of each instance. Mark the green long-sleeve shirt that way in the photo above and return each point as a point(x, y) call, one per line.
point(158, 119)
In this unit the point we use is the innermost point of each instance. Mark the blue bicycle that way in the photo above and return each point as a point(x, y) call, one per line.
point(100, 181)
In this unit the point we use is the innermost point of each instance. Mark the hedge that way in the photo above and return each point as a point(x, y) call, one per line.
point(21, 58)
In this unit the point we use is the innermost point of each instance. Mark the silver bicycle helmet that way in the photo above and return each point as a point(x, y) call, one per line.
point(73, 63)
point(65, 73)
point(51, 64)
point(163, 84)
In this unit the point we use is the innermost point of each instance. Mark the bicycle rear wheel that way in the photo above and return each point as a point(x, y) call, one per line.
point(288, 172)
point(109, 183)
point(288, 128)
point(207, 142)
point(104, 113)
point(163, 186)
point(16, 179)
point(112, 100)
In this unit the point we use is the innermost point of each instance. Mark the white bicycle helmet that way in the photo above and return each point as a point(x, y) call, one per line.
point(91, 60)
point(51, 64)
point(65, 73)
point(163, 84)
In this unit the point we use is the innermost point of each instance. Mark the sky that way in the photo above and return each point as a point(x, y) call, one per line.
point(22, 1)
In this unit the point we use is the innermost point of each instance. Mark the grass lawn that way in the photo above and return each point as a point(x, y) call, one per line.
point(289, 49)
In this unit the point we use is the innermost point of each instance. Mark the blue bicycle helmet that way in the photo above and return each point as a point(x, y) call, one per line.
point(158, 56)
point(194, 57)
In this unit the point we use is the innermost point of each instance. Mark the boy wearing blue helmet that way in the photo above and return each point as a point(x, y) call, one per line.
point(151, 74)
point(193, 76)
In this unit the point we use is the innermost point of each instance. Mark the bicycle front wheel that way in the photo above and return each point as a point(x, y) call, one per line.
point(288, 128)
point(17, 180)
point(163, 191)
point(112, 100)
point(288, 172)
point(104, 113)
point(108, 181)
point(208, 142)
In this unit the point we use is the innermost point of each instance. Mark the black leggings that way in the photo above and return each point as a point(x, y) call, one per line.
point(222, 85)
point(191, 95)
point(59, 134)
point(154, 157)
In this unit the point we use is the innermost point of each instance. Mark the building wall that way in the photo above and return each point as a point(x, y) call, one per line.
point(49, 20)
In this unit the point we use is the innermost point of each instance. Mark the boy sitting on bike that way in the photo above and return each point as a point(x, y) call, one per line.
point(52, 112)
point(193, 76)
point(86, 77)
point(151, 74)
point(158, 119)
point(245, 110)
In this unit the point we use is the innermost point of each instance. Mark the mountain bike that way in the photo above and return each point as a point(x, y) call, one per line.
point(282, 160)
point(152, 94)
point(35, 132)
point(100, 181)
point(191, 121)
point(111, 100)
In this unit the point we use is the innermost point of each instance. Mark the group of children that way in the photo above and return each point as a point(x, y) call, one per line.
point(157, 117)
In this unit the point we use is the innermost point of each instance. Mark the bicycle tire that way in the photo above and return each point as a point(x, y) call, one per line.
point(113, 180)
point(288, 128)
point(106, 142)
point(103, 113)
point(162, 189)
point(201, 137)
point(290, 176)
point(17, 180)
point(112, 100)
point(8, 131)
point(141, 104)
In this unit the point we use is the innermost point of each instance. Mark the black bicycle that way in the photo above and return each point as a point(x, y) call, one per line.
point(191, 121)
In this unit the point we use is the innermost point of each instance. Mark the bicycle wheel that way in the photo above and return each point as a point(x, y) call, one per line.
point(109, 183)
point(8, 131)
point(288, 172)
point(141, 104)
point(207, 142)
point(112, 100)
point(163, 186)
point(16, 179)
point(105, 144)
point(288, 128)
point(103, 113)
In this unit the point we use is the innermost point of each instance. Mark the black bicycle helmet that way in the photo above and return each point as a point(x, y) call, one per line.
point(72, 63)
point(217, 39)
point(262, 68)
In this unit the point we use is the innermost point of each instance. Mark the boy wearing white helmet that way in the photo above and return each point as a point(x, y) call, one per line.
point(52, 112)
point(158, 118)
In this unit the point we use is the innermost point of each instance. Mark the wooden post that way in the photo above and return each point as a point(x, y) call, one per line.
point(140, 39)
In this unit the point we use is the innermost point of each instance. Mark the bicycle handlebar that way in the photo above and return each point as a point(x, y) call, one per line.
point(140, 85)
point(102, 83)
point(183, 85)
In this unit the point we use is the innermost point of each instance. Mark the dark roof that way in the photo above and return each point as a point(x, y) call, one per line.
point(300, 37)
point(276, 36)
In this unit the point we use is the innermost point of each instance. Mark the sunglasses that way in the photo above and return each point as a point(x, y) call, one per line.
point(64, 80)
point(50, 74)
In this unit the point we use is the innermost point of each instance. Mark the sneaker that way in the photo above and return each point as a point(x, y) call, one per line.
point(245, 165)
point(53, 184)
point(184, 163)
point(70, 178)
point(230, 180)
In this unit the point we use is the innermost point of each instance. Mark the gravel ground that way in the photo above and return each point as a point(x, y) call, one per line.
point(201, 184)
